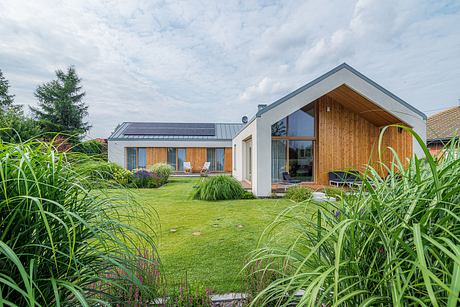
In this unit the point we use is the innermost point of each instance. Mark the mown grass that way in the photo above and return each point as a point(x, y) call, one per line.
point(206, 241)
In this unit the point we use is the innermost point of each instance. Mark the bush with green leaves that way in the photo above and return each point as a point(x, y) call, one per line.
point(122, 176)
point(94, 169)
point(394, 242)
point(220, 187)
point(248, 195)
point(162, 170)
point(298, 194)
point(90, 148)
point(61, 242)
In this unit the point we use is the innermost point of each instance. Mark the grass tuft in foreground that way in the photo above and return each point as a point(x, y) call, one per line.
point(394, 242)
point(61, 242)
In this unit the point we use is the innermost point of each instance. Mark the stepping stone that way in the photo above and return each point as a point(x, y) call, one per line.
point(173, 230)
point(196, 233)
point(239, 226)
point(215, 225)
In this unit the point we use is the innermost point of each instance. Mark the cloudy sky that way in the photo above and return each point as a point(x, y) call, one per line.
point(215, 61)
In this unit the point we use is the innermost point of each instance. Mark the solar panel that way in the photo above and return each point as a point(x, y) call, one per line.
point(171, 129)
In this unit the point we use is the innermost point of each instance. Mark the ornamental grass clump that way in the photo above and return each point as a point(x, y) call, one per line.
point(62, 243)
point(394, 242)
point(220, 187)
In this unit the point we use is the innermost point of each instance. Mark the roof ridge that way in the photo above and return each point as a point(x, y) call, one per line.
point(443, 111)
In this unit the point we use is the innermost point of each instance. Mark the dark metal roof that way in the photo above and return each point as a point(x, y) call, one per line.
point(175, 131)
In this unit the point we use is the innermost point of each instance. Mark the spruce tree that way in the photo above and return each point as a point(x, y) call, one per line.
point(6, 100)
point(61, 108)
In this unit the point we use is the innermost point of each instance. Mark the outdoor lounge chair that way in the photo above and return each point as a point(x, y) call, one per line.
point(205, 169)
point(348, 178)
point(187, 167)
point(288, 179)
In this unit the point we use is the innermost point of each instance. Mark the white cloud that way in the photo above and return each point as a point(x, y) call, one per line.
point(193, 61)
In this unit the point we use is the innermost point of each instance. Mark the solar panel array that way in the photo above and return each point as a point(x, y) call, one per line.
point(171, 129)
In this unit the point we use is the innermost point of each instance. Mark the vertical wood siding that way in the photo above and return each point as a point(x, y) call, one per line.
point(196, 156)
point(348, 141)
point(228, 160)
point(156, 155)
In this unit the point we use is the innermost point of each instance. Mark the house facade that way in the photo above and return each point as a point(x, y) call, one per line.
point(332, 123)
point(139, 145)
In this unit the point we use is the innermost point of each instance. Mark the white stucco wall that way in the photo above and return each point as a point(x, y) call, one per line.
point(238, 140)
point(116, 148)
point(260, 128)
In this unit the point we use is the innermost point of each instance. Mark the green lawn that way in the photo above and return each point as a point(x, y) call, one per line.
point(211, 239)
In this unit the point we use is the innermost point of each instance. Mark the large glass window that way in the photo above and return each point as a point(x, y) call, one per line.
point(293, 140)
point(180, 159)
point(215, 156)
point(141, 158)
point(131, 158)
point(172, 157)
point(302, 122)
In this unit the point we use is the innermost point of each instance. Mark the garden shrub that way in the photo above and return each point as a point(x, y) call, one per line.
point(247, 195)
point(298, 193)
point(60, 239)
point(393, 243)
point(163, 170)
point(144, 179)
point(220, 187)
point(122, 176)
point(334, 192)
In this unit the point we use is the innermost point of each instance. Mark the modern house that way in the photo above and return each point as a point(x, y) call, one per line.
point(332, 123)
point(140, 145)
point(441, 128)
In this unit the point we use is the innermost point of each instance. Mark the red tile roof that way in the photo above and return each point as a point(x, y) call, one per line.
point(444, 125)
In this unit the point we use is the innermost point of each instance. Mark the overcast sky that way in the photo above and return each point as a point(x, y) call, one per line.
point(215, 61)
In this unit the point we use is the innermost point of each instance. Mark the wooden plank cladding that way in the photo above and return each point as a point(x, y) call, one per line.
point(346, 140)
point(156, 155)
point(197, 156)
point(228, 160)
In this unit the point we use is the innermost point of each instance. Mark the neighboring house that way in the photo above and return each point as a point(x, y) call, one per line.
point(140, 145)
point(441, 128)
point(331, 123)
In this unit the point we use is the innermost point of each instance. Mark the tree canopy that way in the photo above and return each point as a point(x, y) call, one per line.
point(61, 108)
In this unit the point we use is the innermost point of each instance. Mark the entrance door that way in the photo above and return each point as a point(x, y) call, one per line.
point(248, 161)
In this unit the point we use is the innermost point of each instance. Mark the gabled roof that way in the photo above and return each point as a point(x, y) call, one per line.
point(444, 125)
point(162, 131)
point(330, 73)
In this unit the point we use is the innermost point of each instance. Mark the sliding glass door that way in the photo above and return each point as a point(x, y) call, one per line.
point(301, 160)
point(215, 156)
point(180, 159)
point(279, 158)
